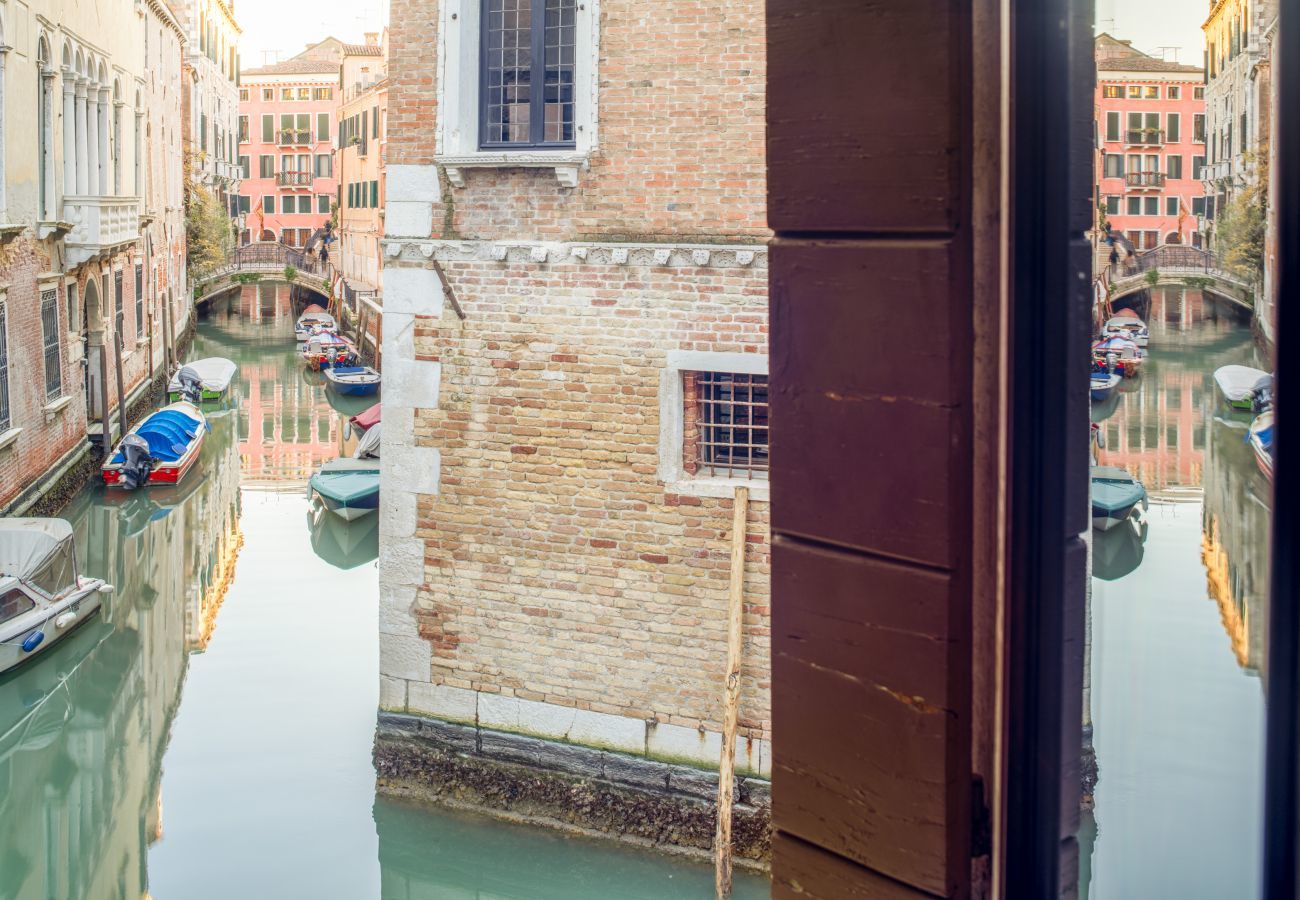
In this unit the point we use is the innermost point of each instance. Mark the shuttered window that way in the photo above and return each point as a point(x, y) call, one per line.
point(139, 301)
point(5, 422)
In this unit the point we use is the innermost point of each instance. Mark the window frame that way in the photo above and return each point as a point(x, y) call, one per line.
point(671, 470)
point(139, 301)
point(49, 295)
point(537, 86)
point(1113, 126)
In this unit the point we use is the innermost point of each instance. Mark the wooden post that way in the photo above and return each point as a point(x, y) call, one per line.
point(731, 696)
point(121, 387)
point(379, 342)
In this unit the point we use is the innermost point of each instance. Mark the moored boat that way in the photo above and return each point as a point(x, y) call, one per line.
point(349, 488)
point(42, 598)
point(364, 421)
point(313, 317)
point(1102, 385)
point(212, 376)
point(1118, 353)
point(159, 450)
point(326, 350)
point(1240, 385)
point(353, 381)
point(1127, 322)
point(1261, 441)
point(1115, 496)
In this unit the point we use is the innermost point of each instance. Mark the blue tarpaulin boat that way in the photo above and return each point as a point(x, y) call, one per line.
point(353, 381)
point(348, 487)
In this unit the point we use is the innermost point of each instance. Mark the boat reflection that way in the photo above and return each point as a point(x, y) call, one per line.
point(344, 545)
point(1118, 552)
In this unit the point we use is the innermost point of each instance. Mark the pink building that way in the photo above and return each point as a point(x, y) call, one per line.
point(1151, 136)
point(287, 116)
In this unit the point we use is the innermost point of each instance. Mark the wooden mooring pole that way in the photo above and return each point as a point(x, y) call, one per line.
point(731, 696)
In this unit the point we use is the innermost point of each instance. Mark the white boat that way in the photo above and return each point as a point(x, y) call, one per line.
point(1127, 322)
point(42, 598)
point(311, 320)
point(1261, 441)
point(1115, 496)
point(1102, 384)
point(213, 376)
point(1239, 384)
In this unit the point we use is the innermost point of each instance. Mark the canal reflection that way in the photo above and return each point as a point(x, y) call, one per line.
point(209, 735)
point(1178, 626)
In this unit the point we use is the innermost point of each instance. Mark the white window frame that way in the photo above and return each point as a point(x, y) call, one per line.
point(1114, 116)
point(672, 470)
point(457, 138)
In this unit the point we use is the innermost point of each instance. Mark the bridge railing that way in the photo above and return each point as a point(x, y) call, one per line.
point(1174, 257)
point(274, 256)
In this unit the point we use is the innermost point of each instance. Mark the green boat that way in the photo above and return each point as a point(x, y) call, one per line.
point(209, 378)
point(349, 488)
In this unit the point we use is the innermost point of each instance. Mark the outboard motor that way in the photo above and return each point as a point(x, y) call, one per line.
point(137, 462)
point(191, 385)
point(1112, 360)
point(1262, 395)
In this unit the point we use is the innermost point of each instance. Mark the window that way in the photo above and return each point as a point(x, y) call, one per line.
point(1172, 123)
point(323, 94)
point(1113, 91)
point(528, 98)
point(1151, 206)
point(1198, 206)
point(1112, 126)
point(322, 126)
point(244, 163)
point(243, 95)
point(1198, 166)
point(1134, 206)
point(1135, 92)
point(374, 195)
point(323, 204)
point(374, 122)
point(1150, 239)
point(1174, 167)
point(1198, 127)
point(14, 604)
point(139, 301)
point(1133, 163)
point(5, 422)
point(243, 129)
point(53, 345)
point(352, 196)
point(1173, 92)
point(324, 165)
point(1151, 92)
point(1171, 206)
point(117, 301)
point(725, 424)
point(266, 166)
point(268, 94)
point(268, 128)
point(71, 315)
point(268, 204)
point(286, 93)
point(1112, 204)
point(304, 93)
point(245, 204)
point(1114, 166)
point(1198, 93)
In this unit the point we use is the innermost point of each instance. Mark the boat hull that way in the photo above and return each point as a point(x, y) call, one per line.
point(1105, 519)
point(84, 604)
point(207, 396)
point(169, 473)
point(352, 509)
point(355, 390)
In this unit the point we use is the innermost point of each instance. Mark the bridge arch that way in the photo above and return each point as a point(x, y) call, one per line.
point(1181, 266)
point(265, 260)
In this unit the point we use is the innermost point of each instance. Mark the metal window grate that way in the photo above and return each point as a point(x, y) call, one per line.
point(732, 424)
point(5, 421)
point(53, 354)
point(139, 301)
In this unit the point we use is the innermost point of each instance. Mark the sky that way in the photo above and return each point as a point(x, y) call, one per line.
point(1152, 24)
point(286, 27)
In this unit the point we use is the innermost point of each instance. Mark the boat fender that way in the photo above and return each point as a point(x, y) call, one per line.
point(33, 641)
point(65, 620)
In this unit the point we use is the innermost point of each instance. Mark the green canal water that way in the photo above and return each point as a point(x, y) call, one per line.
point(209, 735)
point(1178, 628)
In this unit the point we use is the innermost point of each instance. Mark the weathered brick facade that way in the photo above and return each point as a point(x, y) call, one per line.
point(565, 575)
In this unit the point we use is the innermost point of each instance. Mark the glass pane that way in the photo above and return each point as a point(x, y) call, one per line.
point(508, 62)
point(558, 109)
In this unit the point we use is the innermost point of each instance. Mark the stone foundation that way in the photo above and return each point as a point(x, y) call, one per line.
point(569, 787)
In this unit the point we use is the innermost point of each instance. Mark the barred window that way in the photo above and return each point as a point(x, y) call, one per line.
point(53, 346)
point(527, 73)
point(139, 301)
point(5, 420)
point(725, 425)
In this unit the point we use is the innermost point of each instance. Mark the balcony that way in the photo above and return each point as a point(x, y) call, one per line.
point(1145, 180)
point(292, 137)
point(294, 179)
point(99, 225)
point(1144, 137)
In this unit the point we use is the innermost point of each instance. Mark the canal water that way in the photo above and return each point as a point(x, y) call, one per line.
point(209, 735)
point(1178, 626)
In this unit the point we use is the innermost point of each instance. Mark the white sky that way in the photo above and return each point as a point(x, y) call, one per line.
point(1152, 24)
point(278, 29)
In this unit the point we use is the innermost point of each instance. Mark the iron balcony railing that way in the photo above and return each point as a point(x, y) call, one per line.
point(294, 179)
point(293, 137)
point(1145, 179)
point(1144, 136)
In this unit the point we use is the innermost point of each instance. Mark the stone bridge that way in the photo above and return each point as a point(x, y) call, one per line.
point(264, 262)
point(1182, 267)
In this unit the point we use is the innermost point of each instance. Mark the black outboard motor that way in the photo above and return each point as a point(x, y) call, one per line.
point(1262, 395)
point(137, 462)
point(191, 385)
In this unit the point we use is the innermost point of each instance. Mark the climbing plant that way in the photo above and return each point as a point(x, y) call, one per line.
point(207, 227)
point(1242, 223)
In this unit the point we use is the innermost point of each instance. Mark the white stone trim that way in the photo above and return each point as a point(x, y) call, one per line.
point(398, 247)
point(671, 470)
point(566, 164)
point(556, 722)
point(8, 438)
